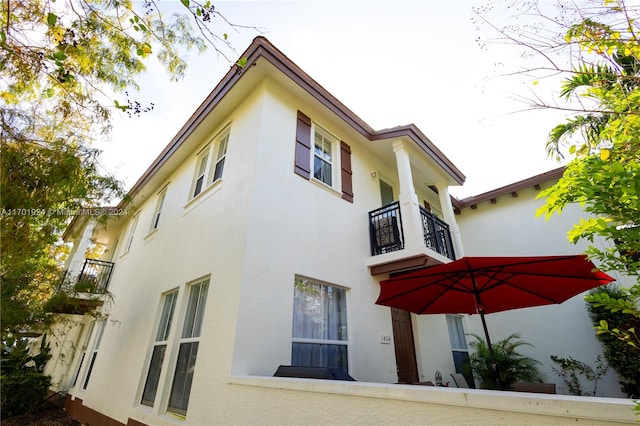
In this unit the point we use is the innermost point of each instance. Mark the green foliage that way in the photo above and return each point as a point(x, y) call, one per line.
point(610, 309)
point(23, 384)
point(61, 63)
point(570, 370)
point(604, 174)
point(512, 366)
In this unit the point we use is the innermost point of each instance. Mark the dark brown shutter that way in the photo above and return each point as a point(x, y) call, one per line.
point(345, 164)
point(303, 146)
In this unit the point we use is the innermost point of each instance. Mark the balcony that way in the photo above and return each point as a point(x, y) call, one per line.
point(94, 277)
point(86, 290)
point(387, 235)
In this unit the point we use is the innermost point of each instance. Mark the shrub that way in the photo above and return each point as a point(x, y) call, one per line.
point(23, 385)
point(512, 366)
point(621, 356)
point(570, 370)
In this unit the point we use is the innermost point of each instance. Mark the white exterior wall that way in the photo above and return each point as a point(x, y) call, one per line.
point(252, 233)
point(510, 228)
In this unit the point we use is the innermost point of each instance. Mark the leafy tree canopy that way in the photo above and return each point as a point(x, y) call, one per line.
point(60, 63)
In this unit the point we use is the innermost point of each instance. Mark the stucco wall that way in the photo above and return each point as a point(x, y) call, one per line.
point(509, 228)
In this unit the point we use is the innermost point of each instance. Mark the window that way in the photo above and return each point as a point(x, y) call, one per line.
point(459, 346)
point(188, 350)
point(156, 214)
point(85, 345)
point(331, 157)
point(323, 154)
point(98, 330)
point(132, 231)
point(159, 349)
point(319, 325)
point(208, 172)
point(222, 153)
point(200, 173)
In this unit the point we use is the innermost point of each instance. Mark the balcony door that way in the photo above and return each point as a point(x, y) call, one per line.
point(404, 346)
point(386, 193)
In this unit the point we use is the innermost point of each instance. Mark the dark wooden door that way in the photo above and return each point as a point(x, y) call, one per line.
point(404, 346)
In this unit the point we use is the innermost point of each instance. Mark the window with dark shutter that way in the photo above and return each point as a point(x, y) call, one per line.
point(303, 146)
point(345, 165)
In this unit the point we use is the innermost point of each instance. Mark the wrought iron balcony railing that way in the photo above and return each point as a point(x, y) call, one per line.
point(94, 276)
point(386, 232)
point(437, 235)
point(385, 229)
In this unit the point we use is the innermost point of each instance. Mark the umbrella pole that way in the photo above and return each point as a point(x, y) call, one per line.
point(494, 364)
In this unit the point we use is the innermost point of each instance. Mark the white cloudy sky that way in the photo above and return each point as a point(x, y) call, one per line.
point(392, 63)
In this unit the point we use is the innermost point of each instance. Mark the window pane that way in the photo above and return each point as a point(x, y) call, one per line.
point(319, 311)
point(219, 168)
point(456, 332)
point(181, 388)
point(93, 361)
point(153, 377)
point(322, 170)
point(319, 355)
point(166, 316)
point(195, 309)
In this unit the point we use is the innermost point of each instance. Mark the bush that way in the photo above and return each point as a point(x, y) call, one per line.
point(23, 385)
point(512, 366)
point(621, 356)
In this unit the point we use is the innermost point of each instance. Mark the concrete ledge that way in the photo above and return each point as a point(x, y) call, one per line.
point(606, 410)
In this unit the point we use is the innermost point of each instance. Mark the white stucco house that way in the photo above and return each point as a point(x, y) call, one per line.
point(258, 238)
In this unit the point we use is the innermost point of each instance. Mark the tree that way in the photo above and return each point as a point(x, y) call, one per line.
point(512, 366)
point(60, 64)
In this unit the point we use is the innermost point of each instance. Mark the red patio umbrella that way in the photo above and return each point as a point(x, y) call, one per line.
point(485, 285)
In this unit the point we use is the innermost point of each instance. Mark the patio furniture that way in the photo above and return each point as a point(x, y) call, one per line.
point(460, 381)
point(535, 387)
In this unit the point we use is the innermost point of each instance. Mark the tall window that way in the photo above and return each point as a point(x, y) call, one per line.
point(319, 325)
point(159, 349)
point(208, 172)
point(200, 172)
point(222, 153)
point(85, 346)
point(459, 346)
point(98, 330)
point(323, 149)
point(132, 232)
point(189, 339)
point(159, 204)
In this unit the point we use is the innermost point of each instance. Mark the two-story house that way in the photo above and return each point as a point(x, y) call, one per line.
point(258, 238)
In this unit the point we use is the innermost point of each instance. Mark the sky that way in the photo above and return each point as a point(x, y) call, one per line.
point(392, 63)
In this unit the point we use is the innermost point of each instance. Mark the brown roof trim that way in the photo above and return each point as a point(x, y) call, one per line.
point(509, 189)
point(261, 47)
point(415, 134)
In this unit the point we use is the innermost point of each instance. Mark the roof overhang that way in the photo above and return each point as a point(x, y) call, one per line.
point(242, 79)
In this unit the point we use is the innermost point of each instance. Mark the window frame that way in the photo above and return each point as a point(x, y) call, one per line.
point(187, 340)
point(160, 340)
point(157, 213)
point(334, 163)
point(132, 232)
point(97, 332)
point(343, 323)
point(210, 162)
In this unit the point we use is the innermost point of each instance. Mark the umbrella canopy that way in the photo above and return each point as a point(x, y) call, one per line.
point(491, 284)
point(484, 285)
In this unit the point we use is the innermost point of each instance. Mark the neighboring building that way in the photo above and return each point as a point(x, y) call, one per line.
point(258, 238)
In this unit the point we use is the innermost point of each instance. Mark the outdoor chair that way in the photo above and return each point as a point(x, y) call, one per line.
point(460, 381)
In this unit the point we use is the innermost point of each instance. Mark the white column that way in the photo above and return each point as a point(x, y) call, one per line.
point(76, 257)
point(450, 218)
point(411, 221)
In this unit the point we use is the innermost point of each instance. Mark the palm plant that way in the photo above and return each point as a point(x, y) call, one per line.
point(511, 366)
point(601, 83)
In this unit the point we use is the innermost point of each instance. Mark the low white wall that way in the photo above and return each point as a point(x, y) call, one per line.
point(270, 400)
